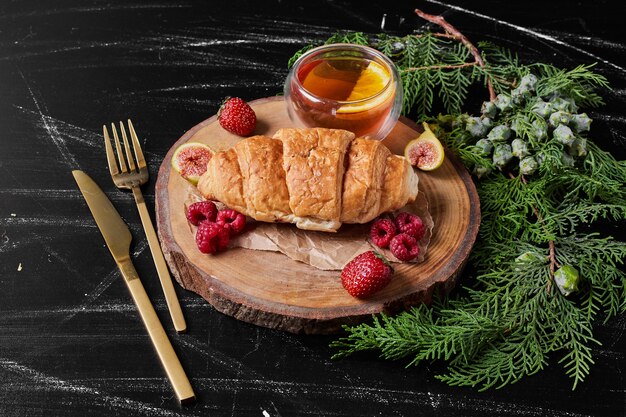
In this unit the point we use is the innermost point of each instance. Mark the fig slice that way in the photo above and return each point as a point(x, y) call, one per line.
point(190, 160)
point(425, 152)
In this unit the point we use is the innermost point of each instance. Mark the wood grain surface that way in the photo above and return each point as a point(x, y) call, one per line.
point(272, 290)
point(71, 341)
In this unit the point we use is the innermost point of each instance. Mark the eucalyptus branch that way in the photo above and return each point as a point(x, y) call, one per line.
point(456, 34)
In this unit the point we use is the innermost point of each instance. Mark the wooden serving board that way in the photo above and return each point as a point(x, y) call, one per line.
point(269, 289)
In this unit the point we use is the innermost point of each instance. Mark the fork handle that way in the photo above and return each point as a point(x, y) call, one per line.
point(160, 341)
point(159, 261)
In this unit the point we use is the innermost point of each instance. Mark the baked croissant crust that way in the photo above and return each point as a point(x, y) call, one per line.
point(316, 178)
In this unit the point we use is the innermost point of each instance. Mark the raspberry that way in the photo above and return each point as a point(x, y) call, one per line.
point(404, 247)
point(201, 211)
point(382, 231)
point(231, 220)
point(211, 237)
point(410, 224)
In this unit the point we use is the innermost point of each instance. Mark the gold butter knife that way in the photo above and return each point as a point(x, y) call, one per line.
point(117, 237)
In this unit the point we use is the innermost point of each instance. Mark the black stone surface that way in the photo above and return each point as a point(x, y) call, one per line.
point(71, 342)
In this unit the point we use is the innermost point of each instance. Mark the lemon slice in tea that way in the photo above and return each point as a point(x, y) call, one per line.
point(372, 80)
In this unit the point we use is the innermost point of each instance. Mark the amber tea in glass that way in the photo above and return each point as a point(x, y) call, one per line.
point(344, 86)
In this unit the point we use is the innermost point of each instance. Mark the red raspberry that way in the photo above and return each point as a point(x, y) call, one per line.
point(382, 231)
point(410, 224)
point(201, 211)
point(211, 237)
point(232, 220)
point(404, 247)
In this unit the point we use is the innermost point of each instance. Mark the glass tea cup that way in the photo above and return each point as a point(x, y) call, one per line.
point(344, 86)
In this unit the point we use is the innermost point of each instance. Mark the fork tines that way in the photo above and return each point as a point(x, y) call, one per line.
point(139, 159)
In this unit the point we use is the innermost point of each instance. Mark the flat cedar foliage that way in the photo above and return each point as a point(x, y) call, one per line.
point(540, 179)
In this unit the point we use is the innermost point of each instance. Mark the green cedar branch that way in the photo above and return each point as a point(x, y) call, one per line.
point(506, 323)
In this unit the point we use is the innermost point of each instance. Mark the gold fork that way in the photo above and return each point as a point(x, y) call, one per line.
point(132, 176)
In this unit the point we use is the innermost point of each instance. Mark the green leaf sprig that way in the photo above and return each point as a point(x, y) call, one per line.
point(541, 279)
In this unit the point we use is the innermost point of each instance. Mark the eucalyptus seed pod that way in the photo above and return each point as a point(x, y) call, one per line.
point(530, 257)
point(564, 135)
point(503, 102)
point(519, 94)
point(397, 47)
point(540, 157)
point(487, 122)
point(572, 107)
point(475, 127)
point(529, 81)
point(563, 103)
point(450, 122)
point(553, 95)
point(517, 124)
point(519, 148)
point(481, 171)
point(499, 133)
point(567, 279)
point(560, 118)
point(502, 155)
point(374, 43)
point(541, 108)
point(579, 147)
point(540, 129)
point(528, 166)
point(489, 109)
point(447, 121)
point(485, 147)
point(581, 122)
point(560, 104)
point(457, 121)
point(521, 89)
point(567, 159)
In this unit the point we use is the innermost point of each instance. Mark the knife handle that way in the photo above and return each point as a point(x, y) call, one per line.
point(159, 262)
point(162, 344)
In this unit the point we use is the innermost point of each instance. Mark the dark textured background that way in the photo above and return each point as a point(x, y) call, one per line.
point(71, 343)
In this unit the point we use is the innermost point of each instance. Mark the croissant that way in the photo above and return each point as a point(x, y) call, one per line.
point(316, 178)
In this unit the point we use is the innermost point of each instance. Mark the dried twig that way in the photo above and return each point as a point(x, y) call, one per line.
point(551, 247)
point(456, 34)
point(467, 64)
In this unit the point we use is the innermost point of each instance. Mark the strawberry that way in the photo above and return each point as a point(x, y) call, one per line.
point(366, 274)
point(236, 116)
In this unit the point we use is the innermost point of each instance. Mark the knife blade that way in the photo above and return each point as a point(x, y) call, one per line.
point(115, 232)
point(117, 237)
